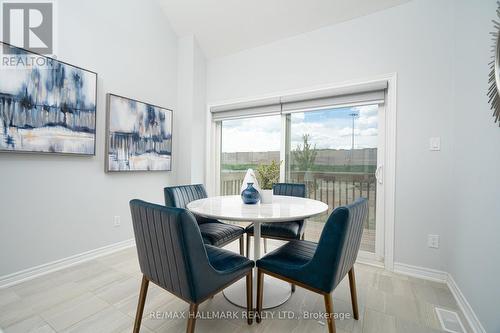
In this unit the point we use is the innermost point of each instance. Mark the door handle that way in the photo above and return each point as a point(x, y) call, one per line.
point(379, 175)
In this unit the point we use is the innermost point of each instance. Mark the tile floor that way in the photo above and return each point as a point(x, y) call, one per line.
point(101, 296)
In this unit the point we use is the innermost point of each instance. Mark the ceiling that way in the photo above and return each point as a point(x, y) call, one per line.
point(227, 26)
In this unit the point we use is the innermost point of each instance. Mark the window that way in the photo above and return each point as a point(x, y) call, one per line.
point(246, 143)
point(334, 152)
point(332, 140)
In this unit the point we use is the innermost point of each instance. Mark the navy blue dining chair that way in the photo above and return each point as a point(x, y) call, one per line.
point(281, 230)
point(173, 256)
point(321, 266)
point(214, 232)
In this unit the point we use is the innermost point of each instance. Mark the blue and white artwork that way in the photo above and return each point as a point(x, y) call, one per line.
point(46, 106)
point(139, 136)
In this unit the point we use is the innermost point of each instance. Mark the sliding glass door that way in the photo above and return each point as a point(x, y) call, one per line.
point(246, 143)
point(334, 152)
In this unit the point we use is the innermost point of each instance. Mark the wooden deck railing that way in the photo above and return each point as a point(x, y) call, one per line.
point(333, 188)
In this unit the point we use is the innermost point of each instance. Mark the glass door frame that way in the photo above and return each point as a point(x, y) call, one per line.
point(377, 256)
point(386, 152)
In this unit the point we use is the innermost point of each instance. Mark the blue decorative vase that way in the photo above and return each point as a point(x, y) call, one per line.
point(250, 195)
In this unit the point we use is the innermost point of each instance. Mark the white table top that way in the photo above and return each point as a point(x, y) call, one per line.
point(232, 208)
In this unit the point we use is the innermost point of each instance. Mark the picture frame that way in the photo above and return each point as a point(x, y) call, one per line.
point(138, 135)
point(47, 106)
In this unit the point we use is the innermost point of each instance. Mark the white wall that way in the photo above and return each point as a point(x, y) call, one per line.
point(474, 258)
point(440, 51)
point(53, 207)
point(413, 41)
point(191, 96)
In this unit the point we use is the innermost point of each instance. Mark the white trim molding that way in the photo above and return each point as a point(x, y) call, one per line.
point(33, 272)
point(467, 310)
point(390, 170)
point(444, 277)
point(421, 272)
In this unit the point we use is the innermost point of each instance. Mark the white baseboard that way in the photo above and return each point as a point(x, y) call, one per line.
point(33, 272)
point(444, 277)
point(368, 258)
point(421, 272)
point(467, 310)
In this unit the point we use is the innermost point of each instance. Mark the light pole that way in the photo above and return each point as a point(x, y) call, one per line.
point(354, 115)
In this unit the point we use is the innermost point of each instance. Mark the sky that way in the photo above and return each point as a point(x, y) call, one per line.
point(328, 129)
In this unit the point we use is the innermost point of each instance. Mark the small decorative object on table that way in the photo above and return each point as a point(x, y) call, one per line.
point(250, 183)
point(269, 174)
point(250, 195)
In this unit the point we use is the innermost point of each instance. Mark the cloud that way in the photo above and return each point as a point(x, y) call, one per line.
point(329, 129)
point(253, 134)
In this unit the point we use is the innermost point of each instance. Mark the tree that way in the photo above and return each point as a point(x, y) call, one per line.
point(269, 174)
point(304, 155)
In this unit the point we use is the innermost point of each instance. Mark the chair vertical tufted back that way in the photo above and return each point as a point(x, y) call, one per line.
point(180, 196)
point(339, 244)
point(289, 189)
point(169, 245)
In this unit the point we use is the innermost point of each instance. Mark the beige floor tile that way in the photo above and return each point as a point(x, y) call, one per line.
point(36, 285)
point(82, 271)
point(14, 311)
point(101, 296)
point(402, 307)
point(375, 300)
point(130, 267)
point(395, 285)
point(72, 311)
point(8, 296)
point(155, 298)
point(46, 298)
point(117, 257)
point(28, 325)
point(108, 320)
point(378, 322)
point(101, 279)
point(424, 292)
point(445, 298)
point(118, 291)
point(405, 326)
point(143, 329)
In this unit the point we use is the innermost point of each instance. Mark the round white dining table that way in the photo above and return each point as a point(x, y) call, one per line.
point(282, 209)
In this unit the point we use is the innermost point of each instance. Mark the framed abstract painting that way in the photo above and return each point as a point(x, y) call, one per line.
point(138, 136)
point(46, 105)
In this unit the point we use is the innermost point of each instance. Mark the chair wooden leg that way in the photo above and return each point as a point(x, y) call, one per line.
point(354, 295)
point(260, 295)
point(248, 245)
point(140, 305)
point(249, 298)
point(329, 313)
point(265, 245)
point(242, 245)
point(293, 287)
point(193, 309)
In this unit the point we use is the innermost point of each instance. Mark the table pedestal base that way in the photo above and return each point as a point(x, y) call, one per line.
point(276, 292)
